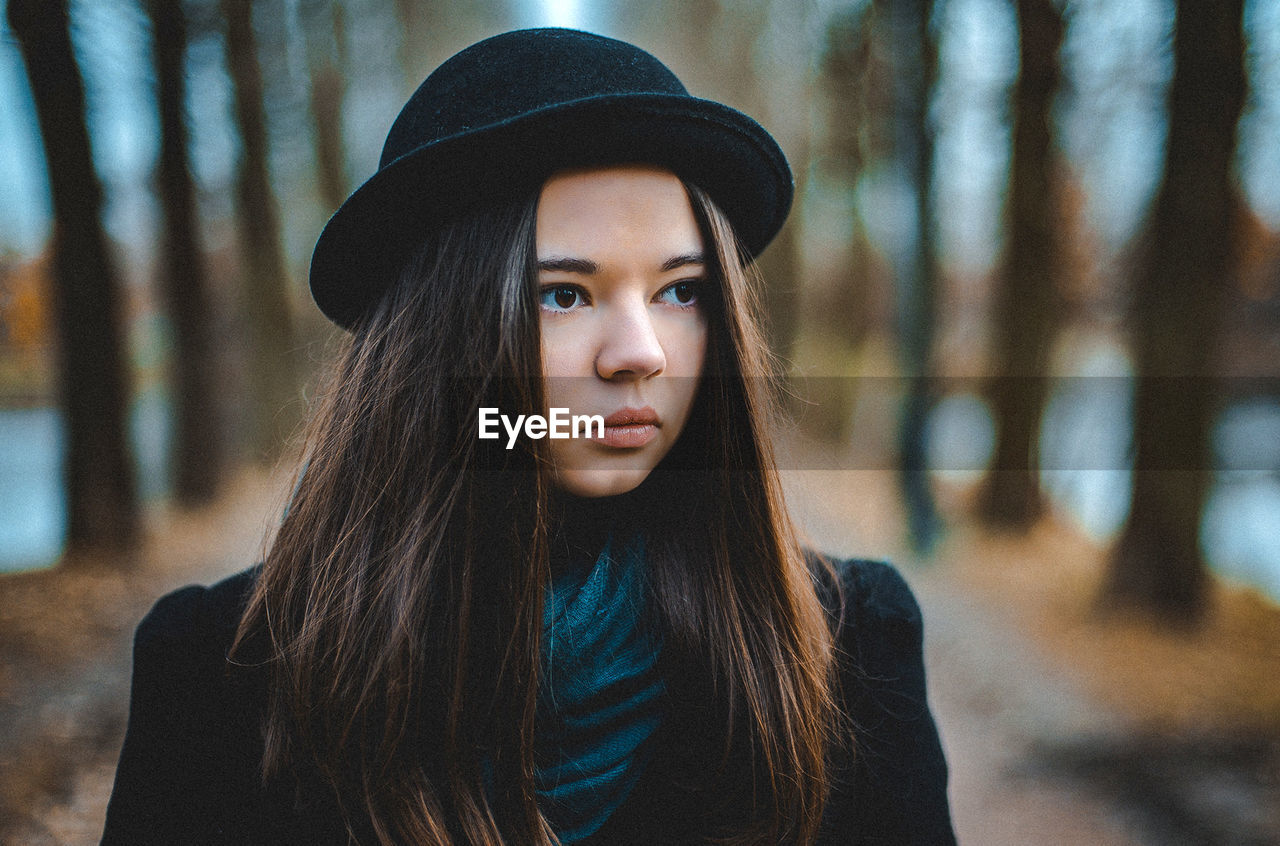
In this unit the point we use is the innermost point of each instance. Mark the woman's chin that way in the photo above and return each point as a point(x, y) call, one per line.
point(595, 483)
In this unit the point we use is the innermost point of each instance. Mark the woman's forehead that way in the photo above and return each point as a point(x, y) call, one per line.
point(633, 209)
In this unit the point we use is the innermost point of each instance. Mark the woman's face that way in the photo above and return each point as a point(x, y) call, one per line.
point(621, 273)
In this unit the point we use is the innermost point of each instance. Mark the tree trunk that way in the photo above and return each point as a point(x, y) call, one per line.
point(197, 454)
point(102, 503)
point(915, 54)
point(272, 365)
point(849, 71)
point(1179, 297)
point(1026, 300)
point(427, 29)
point(780, 266)
point(734, 39)
point(323, 27)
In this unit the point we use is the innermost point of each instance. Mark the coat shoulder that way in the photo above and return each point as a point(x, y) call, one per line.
point(864, 596)
point(188, 770)
point(894, 787)
point(195, 619)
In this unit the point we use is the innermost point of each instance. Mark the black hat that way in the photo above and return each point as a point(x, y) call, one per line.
point(506, 113)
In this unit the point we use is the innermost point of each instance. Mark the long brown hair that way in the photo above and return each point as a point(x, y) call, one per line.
point(401, 601)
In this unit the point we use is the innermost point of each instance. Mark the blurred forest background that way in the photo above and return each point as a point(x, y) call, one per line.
point(1028, 301)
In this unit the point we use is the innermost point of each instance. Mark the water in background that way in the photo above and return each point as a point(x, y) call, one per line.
point(32, 510)
point(1086, 468)
point(32, 506)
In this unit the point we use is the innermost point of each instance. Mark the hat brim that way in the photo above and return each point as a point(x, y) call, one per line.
point(722, 151)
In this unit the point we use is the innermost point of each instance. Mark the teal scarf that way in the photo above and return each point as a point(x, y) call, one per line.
point(600, 695)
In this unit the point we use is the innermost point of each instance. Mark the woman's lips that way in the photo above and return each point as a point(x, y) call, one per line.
point(630, 428)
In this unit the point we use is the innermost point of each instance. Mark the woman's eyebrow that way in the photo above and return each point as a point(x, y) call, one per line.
point(570, 265)
point(683, 261)
point(588, 267)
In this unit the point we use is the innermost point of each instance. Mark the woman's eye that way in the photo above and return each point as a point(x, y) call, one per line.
point(682, 294)
point(560, 297)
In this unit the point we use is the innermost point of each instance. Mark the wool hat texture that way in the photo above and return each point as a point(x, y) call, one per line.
point(506, 113)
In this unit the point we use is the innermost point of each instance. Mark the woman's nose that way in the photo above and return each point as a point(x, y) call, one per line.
point(630, 345)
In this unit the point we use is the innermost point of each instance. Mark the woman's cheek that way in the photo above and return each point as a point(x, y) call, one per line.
point(686, 346)
point(556, 351)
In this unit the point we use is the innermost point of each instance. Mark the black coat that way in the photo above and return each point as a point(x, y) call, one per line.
point(188, 772)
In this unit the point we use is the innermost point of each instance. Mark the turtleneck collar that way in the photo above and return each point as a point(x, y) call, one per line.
point(600, 693)
point(580, 525)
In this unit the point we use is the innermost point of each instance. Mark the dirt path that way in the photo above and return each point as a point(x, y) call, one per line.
point(1064, 725)
point(996, 699)
point(993, 695)
point(65, 654)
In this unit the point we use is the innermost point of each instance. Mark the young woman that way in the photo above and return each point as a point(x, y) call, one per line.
point(471, 631)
